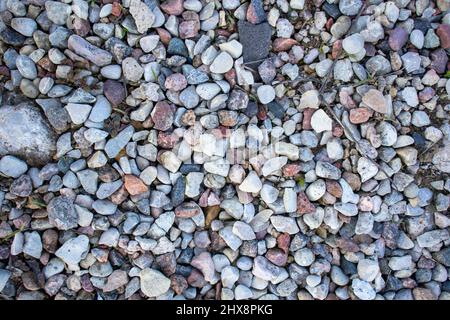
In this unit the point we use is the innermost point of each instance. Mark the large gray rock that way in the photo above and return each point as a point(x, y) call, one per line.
point(26, 134)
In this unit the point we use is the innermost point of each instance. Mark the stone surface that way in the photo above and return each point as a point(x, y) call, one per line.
point(26, 134)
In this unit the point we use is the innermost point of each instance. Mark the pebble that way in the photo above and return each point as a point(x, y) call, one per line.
point(11, 166)
point(320, 121)
point(266, 94)
point(375, 100)
point(170, 148)
point(88, 51)
point(222, 63)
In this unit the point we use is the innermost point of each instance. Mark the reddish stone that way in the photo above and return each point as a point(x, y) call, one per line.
point(277, 256)
point(409, 283)
point(162, 116)
point(175, 82)
point(337, 49)
point(116, 9)
point(213, 200)
point(230, 76)
point(189, 29)
point(360, 115)
point(114, 91)
point(188, 118)
point(86, 283)
point(443, 31)
point(196, 279)
point(347, 245)
point(46, 64)
point(262, 113)
point(81, 26)
point(283, 44)
point(423, 293)
point(290, 170)
point(334, 188)
point(164, 36)
point(370, 49)
point(338, 131)
point(352, 179)
point(283, 242)
point(329, 23)
point(134, 185)
point(137, 53)
point(172, 7)
point(119, 196)
point(167, 140)
point(178, 283)
point(307, 114)
point(188, 210)
point(167, 263)
point(228, 118)
point(303, 204)
point(50, 240)
point(255, 12)
point(203, 200)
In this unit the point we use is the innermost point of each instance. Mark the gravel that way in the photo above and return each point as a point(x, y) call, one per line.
point(198, 150)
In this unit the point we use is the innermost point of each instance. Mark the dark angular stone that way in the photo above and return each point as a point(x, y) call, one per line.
point(255, 40)
point(186, 168)
point(11, 37)
point(276, 109)
point(331, 9)
point(177, 194)
point(177, 47)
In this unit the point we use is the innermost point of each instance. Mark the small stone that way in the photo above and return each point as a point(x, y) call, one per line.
point(398, 38)
point(32, 245)
point(368, 269)
point(243, 231)
point(320, 121)
point(62, 213)
point(25, 26)
point(175, 82)
point(114, 91)
point(172, 7)
point(88, 51)
point(375, 100)
point(251, 183)
point(353, 44)
point(149, 43)
point(266, 94)
point(73, 250)
point(134, 185)
point(163, 116)
point(11, 166)
point(443, 31)
point(363, 290)
point(222, 63)
point(131, 69)
point(142, 15)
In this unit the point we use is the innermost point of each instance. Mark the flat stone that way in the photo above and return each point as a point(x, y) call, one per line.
point(73, 250)
point(375, 100)
point(255, 40)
